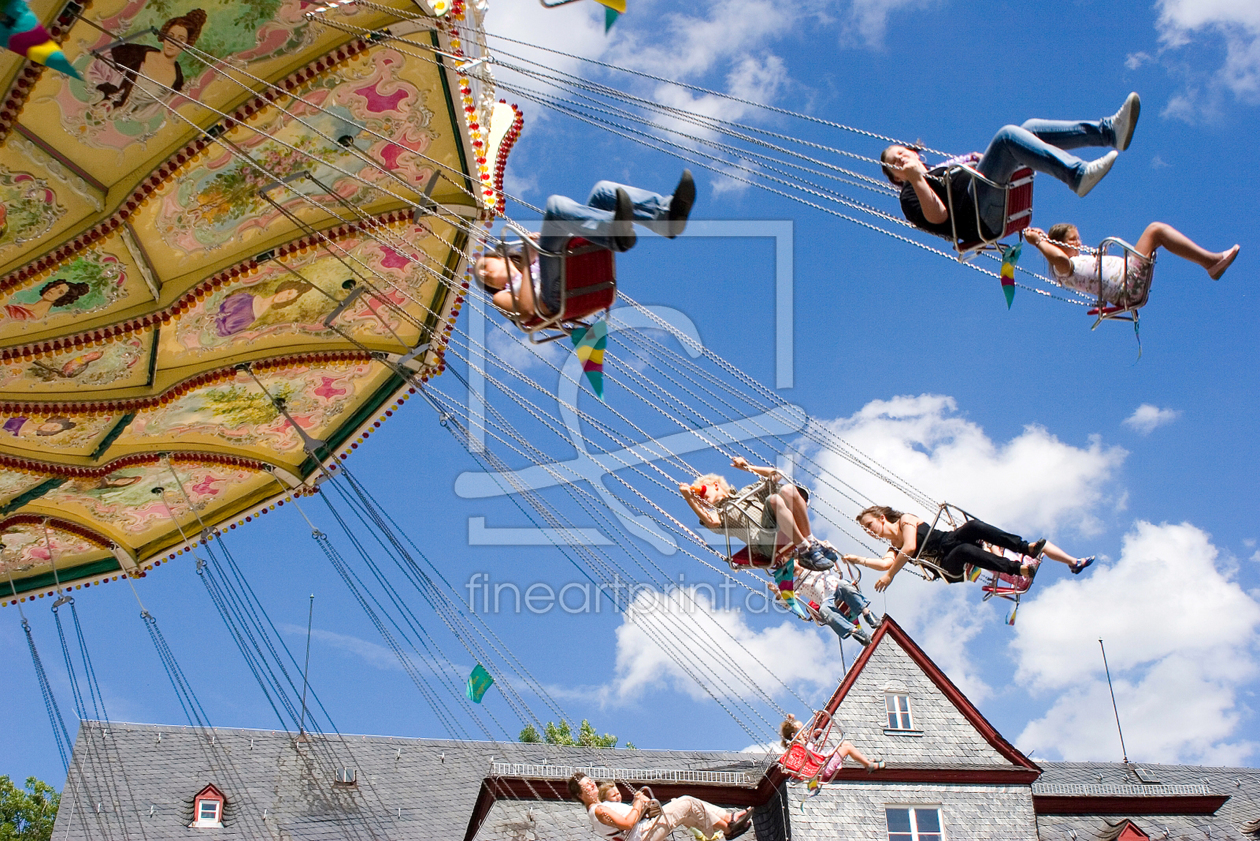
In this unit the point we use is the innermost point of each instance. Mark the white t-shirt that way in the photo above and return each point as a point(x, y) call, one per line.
point(1084, 276)
point(515, 277)
point(621, 810)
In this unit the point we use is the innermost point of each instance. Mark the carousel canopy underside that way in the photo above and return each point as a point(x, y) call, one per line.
point(145, 259)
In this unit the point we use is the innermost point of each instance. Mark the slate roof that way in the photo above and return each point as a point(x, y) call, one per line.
point(1242, 785)
point(142, 778)
point(137, 781)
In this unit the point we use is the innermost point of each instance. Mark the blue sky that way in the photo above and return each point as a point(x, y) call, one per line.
point(1026, 417)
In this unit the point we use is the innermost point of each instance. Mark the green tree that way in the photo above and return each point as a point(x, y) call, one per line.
point(27, 815)
point(562, 734)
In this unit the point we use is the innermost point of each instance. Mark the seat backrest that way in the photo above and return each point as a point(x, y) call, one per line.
point(1019, 199)
point(589, 280)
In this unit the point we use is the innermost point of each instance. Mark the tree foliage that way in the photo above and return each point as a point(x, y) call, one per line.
point(562, 734)
point(27, 815)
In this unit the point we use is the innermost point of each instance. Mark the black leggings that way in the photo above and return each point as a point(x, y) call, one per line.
point(959, 547)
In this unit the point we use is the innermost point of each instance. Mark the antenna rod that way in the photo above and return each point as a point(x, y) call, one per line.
point(310, 613)
point(1114, 708)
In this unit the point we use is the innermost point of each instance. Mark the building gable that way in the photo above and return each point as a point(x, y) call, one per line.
point(946, 733)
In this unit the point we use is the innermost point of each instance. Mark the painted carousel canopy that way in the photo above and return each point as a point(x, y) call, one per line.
point(219, 232)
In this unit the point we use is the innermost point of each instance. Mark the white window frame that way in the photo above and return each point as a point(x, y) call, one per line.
point(202, 822)
point(913, 809)
point(892, 708)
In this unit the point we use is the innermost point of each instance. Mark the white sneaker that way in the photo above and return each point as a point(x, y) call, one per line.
point(1124, 121)
point(1094, 172)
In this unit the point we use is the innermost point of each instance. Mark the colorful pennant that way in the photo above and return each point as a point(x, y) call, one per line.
point(1010, 256)
point(612, 10)
point(783, 578)
point(22, 33)
point(478, 682)
point(589, 344)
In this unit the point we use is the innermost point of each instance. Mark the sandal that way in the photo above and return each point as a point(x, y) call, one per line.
point(1079, 567)
point(876, 765)
point(737, 826)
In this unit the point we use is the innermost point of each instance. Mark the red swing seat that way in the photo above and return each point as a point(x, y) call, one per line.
point(1017, 211)
point(588, 285)
point(803, 759)
point(1005, 586)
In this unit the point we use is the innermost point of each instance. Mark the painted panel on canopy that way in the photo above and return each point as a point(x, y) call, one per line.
point(213, 206)
point(108, 127)
point(46, 436)
point(26, 551)
point(14, 483)
point(119, 363)
point(234, 415)
point(126, 500)
point(95, 282)
point(275, 308)
point(39, 199)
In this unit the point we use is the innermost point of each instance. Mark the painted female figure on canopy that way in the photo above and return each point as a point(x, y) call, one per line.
point(24, 427)
point(55, 293)
point(156, 67)
point(241, 310)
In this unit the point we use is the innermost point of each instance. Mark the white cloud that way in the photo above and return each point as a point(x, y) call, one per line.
point(576, 29)
point(1181, 639)
point(1237, 24)
point(773, 748)
point(868, 19)
point(1033, 483)
point(1133, 61)
point(726, 658)
point(1146, 418)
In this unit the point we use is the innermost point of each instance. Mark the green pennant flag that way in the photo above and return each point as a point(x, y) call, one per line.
point(612, 9)
point(478, 682)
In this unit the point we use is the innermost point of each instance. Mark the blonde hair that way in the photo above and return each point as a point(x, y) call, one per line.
point(717, 481)
point(604, 788)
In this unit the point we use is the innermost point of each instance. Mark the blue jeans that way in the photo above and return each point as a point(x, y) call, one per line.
point(831, 614)
point(1039, 145)
point(564, 218)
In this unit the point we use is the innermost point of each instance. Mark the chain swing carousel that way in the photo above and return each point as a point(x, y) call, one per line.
point(212, 239)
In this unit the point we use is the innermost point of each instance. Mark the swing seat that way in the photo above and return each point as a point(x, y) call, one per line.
point(744, 559)
point(802, 762)
point(1017, 198)
point(1136, 290)
point(803, 758)
point(588, 285)
point(1006, 586)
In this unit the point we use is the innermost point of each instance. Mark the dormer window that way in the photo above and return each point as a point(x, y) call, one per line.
point(208, 808)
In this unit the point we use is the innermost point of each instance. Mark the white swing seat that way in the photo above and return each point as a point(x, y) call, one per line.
point(1135, 287)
